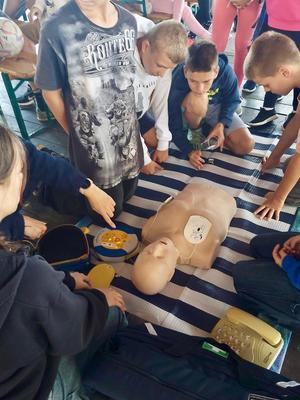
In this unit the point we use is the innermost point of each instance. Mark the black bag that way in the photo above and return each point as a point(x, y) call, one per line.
point(173, 366)
point(66, 248)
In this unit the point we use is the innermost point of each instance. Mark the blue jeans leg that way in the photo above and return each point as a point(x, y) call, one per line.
point(116, 320)
point(262, 245)
point(67, 385)
point(267, 289)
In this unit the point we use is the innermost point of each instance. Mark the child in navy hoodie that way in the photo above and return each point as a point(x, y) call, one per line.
point(204, 93)
point(271, 282)
point(63, 183)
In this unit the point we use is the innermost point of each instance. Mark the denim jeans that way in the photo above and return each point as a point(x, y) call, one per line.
point(67, 385)
point(266, 286)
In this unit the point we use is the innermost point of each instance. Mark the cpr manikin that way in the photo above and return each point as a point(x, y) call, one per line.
point(189, 229)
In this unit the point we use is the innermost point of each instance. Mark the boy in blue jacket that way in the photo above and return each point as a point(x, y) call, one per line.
point(271, 282)
point(64, 180)
point(204, 93)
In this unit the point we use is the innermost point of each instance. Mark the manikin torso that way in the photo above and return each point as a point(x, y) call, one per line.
point(187, 230)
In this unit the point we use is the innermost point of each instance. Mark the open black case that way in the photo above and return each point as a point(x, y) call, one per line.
point(66, 248)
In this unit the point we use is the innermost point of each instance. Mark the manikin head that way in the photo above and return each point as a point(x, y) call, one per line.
point(155, 266)
point(274, 62)
point(12, 172)
point(163, 47)
point(201, 66)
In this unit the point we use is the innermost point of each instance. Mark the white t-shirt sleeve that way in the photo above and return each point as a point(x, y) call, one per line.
point(159, 107)
point(147, 158)
point(144, 25)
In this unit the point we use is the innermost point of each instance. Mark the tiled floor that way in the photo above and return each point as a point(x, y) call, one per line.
point(56, 139)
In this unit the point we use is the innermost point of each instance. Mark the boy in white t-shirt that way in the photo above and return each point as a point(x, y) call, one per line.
point(274, 62)
point(159, 49)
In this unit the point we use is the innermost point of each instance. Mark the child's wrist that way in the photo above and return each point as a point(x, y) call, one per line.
point(85, 190)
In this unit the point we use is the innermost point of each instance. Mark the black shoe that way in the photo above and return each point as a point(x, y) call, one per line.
point(263, 117)
point(27, 99)
point(249, 86)
point(288, 118)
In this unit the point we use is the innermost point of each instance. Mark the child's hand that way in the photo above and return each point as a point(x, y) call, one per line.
point(279, 254)
point(291, 245)
point(269, 163)
point(218, 133)
point(81, 281)
point(100, 202)
point(270, 207)
point(114, 298)
point(160, 156)
point(151, 168)
point(195, 159)
point(34, 13)
point(33, 228)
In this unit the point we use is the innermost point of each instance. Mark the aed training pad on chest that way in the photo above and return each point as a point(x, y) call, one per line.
point(116, 245)
point(101, 276)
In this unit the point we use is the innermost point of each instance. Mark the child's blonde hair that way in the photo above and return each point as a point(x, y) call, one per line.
point(169, 37)
point(268, 52)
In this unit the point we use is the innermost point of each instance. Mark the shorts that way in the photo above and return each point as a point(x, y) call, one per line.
point(212, 118)
point(146, 123)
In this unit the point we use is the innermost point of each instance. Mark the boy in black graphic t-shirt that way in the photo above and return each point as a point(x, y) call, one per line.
point(86, 52)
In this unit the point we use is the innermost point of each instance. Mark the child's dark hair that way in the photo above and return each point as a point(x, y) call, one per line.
point(202, 56)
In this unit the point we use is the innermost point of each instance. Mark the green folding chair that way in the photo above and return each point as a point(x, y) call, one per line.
point(22, 70)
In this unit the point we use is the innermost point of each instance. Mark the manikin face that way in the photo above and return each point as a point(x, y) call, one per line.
point(162, 251)
point(155, 63)
point(200, 82)
point(280, 83)
point(10, 191)
point(155, 266)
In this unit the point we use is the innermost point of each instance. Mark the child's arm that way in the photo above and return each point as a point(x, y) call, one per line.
point(159, 106)
point(12, 227)
point(150, 167)
point(288, 263)
point(51, 73)
point(37, 10)
point(178, 6)
point(287, 138)
point(275, 201)
point(56, 104)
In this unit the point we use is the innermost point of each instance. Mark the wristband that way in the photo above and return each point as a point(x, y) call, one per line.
point(88, 183)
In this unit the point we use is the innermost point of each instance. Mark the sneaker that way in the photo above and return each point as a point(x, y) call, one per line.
point(288, 118)
point(249, 86)
point(263, 117)
point(27, 99)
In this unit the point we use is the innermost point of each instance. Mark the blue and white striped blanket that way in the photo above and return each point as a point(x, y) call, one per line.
point(195, 299)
